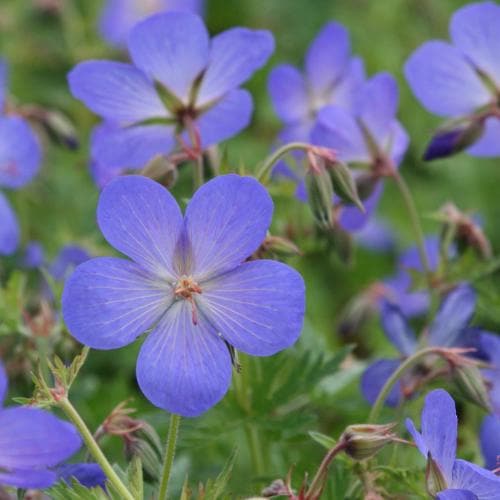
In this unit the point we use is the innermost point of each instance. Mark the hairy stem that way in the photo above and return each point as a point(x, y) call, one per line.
point(94, 449)
point(173, 430)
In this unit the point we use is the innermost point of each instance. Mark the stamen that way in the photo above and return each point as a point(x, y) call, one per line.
point(185, 289)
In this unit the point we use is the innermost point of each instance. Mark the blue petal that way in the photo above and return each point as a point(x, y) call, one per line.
point(258, 307)
point(226, 221)
point(171, 48)
point(20, 152)
point(45, 440)
point(454, 494)
point(376, 235)
point(483, 483)
point(4, 76)
point(352, 219)
point(444, 81)
point(34, 255)
point(116, 91)
point(183, 367)
point(141, 219)
point(235, 55)
point(87, 474)
point(108, 302)
point(397, 329)
point(68, 258)
point(327, 57)
point(475, 30)
point(489, 437)
point(453, 316)
point(410, 259)
point(28, 478)
point(114, 147)
point(9, 228)
point(488, 145)
point(375, 377)
point(4, 383)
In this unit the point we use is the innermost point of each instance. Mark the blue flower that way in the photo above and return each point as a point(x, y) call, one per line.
point(182, 87)
point(119, 16)
point(438, 441)
point(448, 329)
point(462, 81)
point(87, 474)
point(20, 157)
point(489, 437)
point(188, 283)
point(32, 443)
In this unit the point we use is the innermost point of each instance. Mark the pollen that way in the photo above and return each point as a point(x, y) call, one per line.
point(185, 288)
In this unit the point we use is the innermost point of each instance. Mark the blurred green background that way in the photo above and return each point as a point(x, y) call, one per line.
point(59, 208)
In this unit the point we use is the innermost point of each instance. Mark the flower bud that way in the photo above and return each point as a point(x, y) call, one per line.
point(320, 195)
point(470, 383)
point(276, 246)
point(366, 440)
point(366, 184)
point(161, 169)
point(434, 477)
point(60, 129)
point(448, 141)
point(344, 184)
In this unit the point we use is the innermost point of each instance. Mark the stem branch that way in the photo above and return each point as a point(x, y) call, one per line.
point(273, 158)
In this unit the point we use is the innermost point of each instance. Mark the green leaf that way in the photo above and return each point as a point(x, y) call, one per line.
point(135, 478)
point(324, 440)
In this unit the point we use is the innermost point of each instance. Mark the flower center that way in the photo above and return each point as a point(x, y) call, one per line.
point(185, 288)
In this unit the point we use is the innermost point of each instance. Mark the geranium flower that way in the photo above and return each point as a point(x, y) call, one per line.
point(438, 443)
point(20, 157)
point(188, 284)
point(119, 16)
point(32, 443)
point(461, 81)
point(181, 87)
point(448, 329)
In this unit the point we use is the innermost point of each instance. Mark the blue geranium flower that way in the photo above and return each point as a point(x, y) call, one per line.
point(20, 156)
point(119, 16)
point(438, 442)
point(462, 81)
point(489, 437)
point(188, 283)
point(32, 443)
point(449, 329)
point(182, 87)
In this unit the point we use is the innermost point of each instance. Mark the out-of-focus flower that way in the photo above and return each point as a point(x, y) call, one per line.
point(119, 16)
point(448, 329)
point(189, 282)
point(332, 76)
point(89, 475)
point(461, 81)
point(181, 88)
point(449, 478)
point(376, 235)
point(490, 441)
point(20, 156)
point(33, 443)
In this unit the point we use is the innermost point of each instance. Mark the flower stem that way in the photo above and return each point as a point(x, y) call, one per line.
point(253, 440)
point(94, 449)
point(198, 177)
point(415, 221)
point(273, 158)
point(402, 368)
point(173, 430)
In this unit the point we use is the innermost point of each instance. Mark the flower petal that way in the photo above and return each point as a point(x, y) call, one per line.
point(475, 30)
point(87, 474)
point(327, 57)
point(141, 219)
point(4, 384)
point(488, 145)
point(439, 430)
point(347, 89)
point(397, 329)
point(114, 147)
point(483, 483)
point(352, 219)
point(67, 259)
point(226, 221)
point(288, 92)
point(489, 438)
point(171, 48)
point(397, 142)
point(453, 316)
point(184, 368)
point(235, 55)
point(226, 118)
point(20, 152)
point(9, 228)
point(4, 77)
point(108, 302)
point(444, 82)
point(377, 105)
point(20, 478)
point(117, 91)
point(454, 494)
point(375, 377)
point(336, 128)
point(258, 308)
point(34, 438)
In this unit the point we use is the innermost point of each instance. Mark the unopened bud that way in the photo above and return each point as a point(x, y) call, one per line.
point(366, 184)
point(344, 184)
point(276, 245)
point(161, 169)
point(366, 440)
point(470, 383)
point(276, 488)
point(434, 477)
point(448, 141)
point(320, 195)
point(60, 129)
